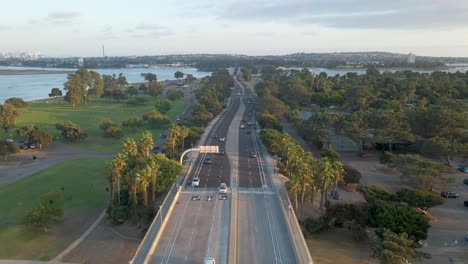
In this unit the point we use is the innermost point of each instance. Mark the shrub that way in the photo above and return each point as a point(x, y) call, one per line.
point(71, 131)
point(331, 154)
point(41, 216)
point(35, 135)
point(314, 226)
point(374, 193)
point(117, 214)
point(7, 147)
point(106, 123)
point(387, 158)
point(399, 218)
point(113, 132)
point(418, 198)
point(351, 175)
point(155, 118)
point(17, 102)
point(174, 94)
point(133, 122)
point(163, 105)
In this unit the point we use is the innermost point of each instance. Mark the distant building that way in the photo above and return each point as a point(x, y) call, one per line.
point(80, 62)
point(411, 58)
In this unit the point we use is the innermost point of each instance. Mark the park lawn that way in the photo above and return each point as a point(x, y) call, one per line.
point(83, 180)
point(46, 113)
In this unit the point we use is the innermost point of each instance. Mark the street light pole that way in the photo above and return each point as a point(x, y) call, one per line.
point(289, 213)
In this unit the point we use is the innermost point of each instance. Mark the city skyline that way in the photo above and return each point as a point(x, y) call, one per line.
point(59, 29)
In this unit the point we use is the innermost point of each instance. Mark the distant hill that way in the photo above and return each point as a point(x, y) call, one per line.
point(211, 62)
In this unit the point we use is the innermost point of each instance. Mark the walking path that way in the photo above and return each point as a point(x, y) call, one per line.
point(55, 153)
point(81, 238)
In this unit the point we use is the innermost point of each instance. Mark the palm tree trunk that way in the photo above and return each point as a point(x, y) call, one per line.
point(153, 191)
point(145, 197)
point(295, 200)
point(118, 190)
point(302, 200)
point(334, 186)
point(321, 201)
point(112, 193)
point(312, 194)
point(134, 196)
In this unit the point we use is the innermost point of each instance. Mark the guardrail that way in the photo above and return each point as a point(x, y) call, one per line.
point(150, 237)
point(294, 229)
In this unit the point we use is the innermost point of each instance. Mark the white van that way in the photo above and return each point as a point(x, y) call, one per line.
point(209, 261)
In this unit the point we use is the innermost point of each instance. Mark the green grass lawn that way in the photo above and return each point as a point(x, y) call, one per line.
point(46, 113)
point(83, 179)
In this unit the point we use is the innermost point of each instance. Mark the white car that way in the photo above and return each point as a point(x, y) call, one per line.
point(209, 261)
point(242, 126)
point(222, 139)
point(223, 188)
point(195, 182)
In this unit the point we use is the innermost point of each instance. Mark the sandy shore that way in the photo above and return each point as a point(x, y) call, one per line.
point(31, 72)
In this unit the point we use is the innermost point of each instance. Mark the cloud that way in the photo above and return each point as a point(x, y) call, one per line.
point(150, 31)
point(396, 14)
point(61, 17)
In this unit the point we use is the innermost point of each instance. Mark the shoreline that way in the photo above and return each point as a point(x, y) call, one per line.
point(32, 72)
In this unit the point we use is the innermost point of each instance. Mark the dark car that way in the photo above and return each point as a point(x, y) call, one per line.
point(450, 195)
point(221, 151)
point(465, 203)
point(335, 195)
point(249, 132)
point(463, 169)
point(24, 146)
point(465, 181)
point(208, 160)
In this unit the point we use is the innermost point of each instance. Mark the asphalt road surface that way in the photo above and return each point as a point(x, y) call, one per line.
point(248, 225)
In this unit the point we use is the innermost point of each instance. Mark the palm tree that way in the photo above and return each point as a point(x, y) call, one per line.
point(146, 143)
point(111, 177)
point(173, 139)
point(154, 173)
point(295, 188)
point(117, 168)
point(307, 176)
point(326, 177)
point(130, 151)
point(142, 180)
point(338, 173)
point(184, 132)
point(132, 184)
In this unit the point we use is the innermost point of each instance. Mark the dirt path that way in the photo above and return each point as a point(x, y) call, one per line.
point(22, 165)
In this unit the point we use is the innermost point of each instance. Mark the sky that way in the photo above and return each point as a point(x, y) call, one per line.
point(63, 28)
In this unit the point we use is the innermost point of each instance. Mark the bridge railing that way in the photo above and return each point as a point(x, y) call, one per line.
point(146, 244)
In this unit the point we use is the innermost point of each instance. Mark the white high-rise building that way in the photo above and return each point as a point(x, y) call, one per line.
point(411, 58)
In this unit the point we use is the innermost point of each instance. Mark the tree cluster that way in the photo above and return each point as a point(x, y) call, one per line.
point(71, 131)
point(35, 135)
point(156, 119)
point(307, 176)
point(136, 176)
point(8, 116)
point(82, 86)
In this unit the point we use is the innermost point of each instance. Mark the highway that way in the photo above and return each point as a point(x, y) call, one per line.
point(248, 226)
